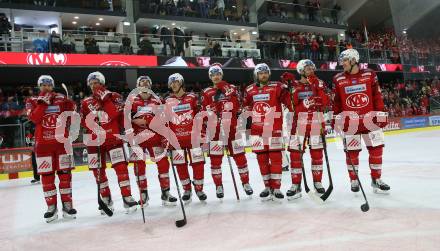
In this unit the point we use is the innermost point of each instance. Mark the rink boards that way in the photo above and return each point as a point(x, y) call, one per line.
point(82, 168)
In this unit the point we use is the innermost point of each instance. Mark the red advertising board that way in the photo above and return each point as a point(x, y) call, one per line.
point(53, 59)
point(15, 160)
point(393, 124)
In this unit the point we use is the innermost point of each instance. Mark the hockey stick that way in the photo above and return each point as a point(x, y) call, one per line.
point(306, 186)
point(302, 147)
point(65, 89)
point(327, 193)
point(230, 165)
point(329, 190)
point(101, 203)
point(364, 207)
point(136, 168)
point(182, 222)
point(216, 98)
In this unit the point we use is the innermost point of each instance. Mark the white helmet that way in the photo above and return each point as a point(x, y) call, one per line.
point(175, 77)
point(138, 81)
point(96, 75)
point(214, 70)
point(302, 65)
point(350, 54)
point(261, 68)
point(45, 79)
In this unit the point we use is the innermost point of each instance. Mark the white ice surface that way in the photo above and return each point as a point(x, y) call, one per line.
point(406, 219)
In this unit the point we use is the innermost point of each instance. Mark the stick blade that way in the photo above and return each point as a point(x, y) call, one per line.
point(104, 208)
point(180, 223)
point(315, 197)
point(327, 193)
point(365, 207)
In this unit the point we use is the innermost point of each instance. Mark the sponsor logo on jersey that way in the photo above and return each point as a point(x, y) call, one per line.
point(93, 161)
point(261, 97)
point(182, 108)
point(50, 121)
point(220, 97)
point(66, 161)
point(145, 109)
point(343, 82)
point(304, 95)
point(216, 148)
point(237, 146)
point(53, 109)
point(355, 88)
point(257, 143)
point(353, 143)
point(197, 154)
point(178, 157)
point(261, 109)
point(357, 100)
point(44, 165)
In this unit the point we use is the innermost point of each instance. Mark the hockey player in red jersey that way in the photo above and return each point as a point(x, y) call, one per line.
point(143, 111)
point(264, 99)
point(181, 109)
point(51, 155)
point(220, 99)
point(358, 92)
point(309, 98)
point(107, 107)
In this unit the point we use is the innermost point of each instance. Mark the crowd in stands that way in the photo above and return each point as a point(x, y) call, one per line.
point(411, 97)
point(299, 45)
point(309, 10)
point(386, 44)
point(214, 9)
point(383, 45)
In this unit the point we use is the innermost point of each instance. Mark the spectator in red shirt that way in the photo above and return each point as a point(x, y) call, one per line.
point(408, 111)
point(424, 104)
point(331, 45)
point(315, 50)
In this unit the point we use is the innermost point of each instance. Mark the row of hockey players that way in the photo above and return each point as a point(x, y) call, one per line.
point(354, 90)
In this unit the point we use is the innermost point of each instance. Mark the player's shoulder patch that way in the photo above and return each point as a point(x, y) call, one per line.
point(207, 89)
point(116, 95)
point(250, 87)
point(87, 99)
point(192, 95)
point(367, 73)
point(168, 97)
point(137, 99)
point(32, 99)
point(60, 96)
point(340, 76)
point(273, 83)
point(157, 100)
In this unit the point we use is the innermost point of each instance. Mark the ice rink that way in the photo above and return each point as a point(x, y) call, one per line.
point(406, 219)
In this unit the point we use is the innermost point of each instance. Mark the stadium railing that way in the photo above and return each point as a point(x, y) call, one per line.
point(25, 40)
point(300, 12)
